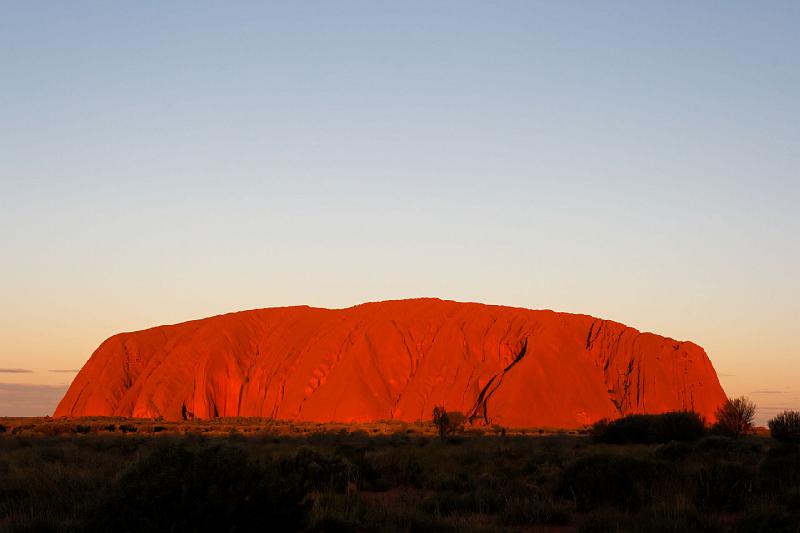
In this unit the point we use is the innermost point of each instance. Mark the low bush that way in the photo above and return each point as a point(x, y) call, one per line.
point(188, 479)
point(530, 510)
point(448, 503)
point(344, 513)
point(673, 451)
point(606, 520)
point(724, 485)
point(682, 426)
point(612, 479)
point(770, 518)
point(783, 450)
point(22, 428)
point(455, 481)
point(397, 470)
point(792, 500)
point(632, 428)
point(448, 423)
point(779, 474)
point(177, 489)
point(718, 444)
point(785, 427)
point(320, 472)
point(676, 517)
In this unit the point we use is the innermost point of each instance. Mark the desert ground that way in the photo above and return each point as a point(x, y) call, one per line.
point(104, 474)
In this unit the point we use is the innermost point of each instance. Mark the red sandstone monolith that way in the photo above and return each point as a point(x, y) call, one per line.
point(395, 360)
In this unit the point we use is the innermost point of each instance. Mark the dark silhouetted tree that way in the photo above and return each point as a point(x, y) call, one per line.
point(735, 417)
point(448, 423)
point(785, 427)
point(441, 421)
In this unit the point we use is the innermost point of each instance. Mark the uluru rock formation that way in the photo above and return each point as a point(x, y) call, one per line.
point(395, 360)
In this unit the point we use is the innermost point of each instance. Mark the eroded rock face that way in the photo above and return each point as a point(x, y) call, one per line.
point(395, 360)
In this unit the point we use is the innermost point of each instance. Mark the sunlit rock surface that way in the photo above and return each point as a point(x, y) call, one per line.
point(395, 360)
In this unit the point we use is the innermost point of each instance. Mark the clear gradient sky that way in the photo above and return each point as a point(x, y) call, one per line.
point(636, 161)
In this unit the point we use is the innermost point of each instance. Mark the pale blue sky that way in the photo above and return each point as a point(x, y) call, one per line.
point(635, 161)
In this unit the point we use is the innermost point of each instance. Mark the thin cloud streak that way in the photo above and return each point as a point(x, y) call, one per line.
point(64, 371)
point(776, 408)
point(15, 371)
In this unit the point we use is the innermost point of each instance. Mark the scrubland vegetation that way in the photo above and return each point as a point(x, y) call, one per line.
point(641, 473)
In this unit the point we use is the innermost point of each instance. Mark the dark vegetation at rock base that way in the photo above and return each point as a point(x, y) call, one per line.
point(250, 475)
point(680, 426)
point(785, 427)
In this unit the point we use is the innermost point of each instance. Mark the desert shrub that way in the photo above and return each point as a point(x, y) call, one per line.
point(780, 474)
point(213, 489)
point(83, 429)
point(2, 428)
point(673, 451)
point(792, 500)
point(441, 421)
point(492, 493)
point(448, 503)
point(675, 517)
point(344, 513)
point(683, 426)
point(606, 520)
point(127, 428)
point(783, 450)
point(334, 513)
point(618, 480)
point(53, 429)
point(735, 417)
point(52, 454)
point(320, 472)
point(527, 510)
point(368, 477)
point(398, 469)
point(773, 519)
point(10, 493)
point(486, 500)
point(724, 485)
point(21, 428)
point(785, 427)
point(457, 481)
point(632, 428)
point(598, 430)
point(457, 421)
point(447, 423)
point(717, 444)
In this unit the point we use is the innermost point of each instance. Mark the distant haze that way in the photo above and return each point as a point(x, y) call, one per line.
point(633, 161)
